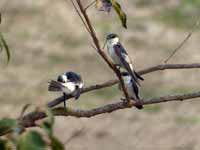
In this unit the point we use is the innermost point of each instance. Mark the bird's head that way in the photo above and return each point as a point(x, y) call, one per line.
point(112, 38)
point(62, 78)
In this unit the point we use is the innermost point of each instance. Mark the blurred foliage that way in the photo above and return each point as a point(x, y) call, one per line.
point(121, 14)
point(106, 5)
point(30, 139)
point(7, 125)
point(182, 15)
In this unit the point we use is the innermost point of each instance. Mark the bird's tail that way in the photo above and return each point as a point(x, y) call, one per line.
point(134, 77)
point(138, 103)
point(54, 86)
point(136, 97)
point(138, 76)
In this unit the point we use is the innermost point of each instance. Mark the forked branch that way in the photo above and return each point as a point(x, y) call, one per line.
point(98, 47)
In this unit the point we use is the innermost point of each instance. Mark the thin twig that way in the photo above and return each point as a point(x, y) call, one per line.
point(183, 42)
point(89, 5)
point(77, 11)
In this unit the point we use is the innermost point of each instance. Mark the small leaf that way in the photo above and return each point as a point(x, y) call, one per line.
point(48, 123)
point(31, 140)
point(103, 5)
point(5, 144)
point(5, 45)
point(120, 12)
point(56, 144)
point(7, 124)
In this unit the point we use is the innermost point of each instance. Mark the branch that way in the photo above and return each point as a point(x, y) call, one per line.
point(113, 82)
point(100, 51)
point(29, 120)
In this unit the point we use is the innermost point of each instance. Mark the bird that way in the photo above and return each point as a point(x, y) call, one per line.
point(132, 89)
point(120, 57)
point(68, 83)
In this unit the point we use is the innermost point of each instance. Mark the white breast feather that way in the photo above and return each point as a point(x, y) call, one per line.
point(69, 87)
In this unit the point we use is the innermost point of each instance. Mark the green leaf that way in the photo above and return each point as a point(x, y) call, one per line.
point(48, 123)
point(3, 44)
point(31, 140)
point(120, 12)
point(56, 144)
point(5, 144)
point(6, 125)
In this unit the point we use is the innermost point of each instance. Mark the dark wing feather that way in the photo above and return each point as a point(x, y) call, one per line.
point(55, 86)
point(138, 76)
point(136, 91)
point(73, 77)
point(123, 55)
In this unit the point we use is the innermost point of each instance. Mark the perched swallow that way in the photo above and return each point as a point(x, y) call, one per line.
point(120, 56)
point(132, 89)
point(68, 83)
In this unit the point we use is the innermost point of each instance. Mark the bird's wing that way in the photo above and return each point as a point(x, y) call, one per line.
point(125, 60)
point(141, 78)
point(135, 89)
point(136, 93)
point(55, 86)
point(73, 77)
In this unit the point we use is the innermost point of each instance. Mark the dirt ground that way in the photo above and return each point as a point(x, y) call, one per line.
point(47, 38)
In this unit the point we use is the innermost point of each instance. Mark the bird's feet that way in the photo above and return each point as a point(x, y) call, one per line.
point(139, 104)
point(65, 97)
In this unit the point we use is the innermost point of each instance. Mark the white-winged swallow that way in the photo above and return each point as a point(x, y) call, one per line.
point(132, 89)
point(120, 56)
point(68, 83)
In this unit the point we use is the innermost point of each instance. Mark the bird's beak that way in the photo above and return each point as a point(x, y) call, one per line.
point(77, 93)
point(104, 44)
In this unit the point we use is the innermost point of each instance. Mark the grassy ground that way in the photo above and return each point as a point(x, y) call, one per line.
point(47, 38)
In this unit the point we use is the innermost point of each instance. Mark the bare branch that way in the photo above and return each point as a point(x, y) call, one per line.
point(120, 105)
point(183, 42)
point(169, 66)
point(89, 5)
point(28, 120)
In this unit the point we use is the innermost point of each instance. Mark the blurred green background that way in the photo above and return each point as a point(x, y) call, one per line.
point(47, 38)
